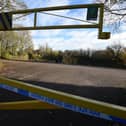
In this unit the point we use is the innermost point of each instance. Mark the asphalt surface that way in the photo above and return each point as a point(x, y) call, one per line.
point(103, 84)
point(48, 118)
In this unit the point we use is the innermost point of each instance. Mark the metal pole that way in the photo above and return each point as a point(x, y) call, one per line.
point(54, 27)
point(101, 15)
point(35, 19)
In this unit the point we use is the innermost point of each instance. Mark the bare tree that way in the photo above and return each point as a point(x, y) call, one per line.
point(116, 51)
point(7, 5)
point(115, 12)
point(11, 42)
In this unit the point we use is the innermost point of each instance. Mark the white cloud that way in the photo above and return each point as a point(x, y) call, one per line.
point(119, 38)
point(80, 39)
point(45, 3)
point(56, 2)
point(69, 39)
point(25, 21)
point(76, 39)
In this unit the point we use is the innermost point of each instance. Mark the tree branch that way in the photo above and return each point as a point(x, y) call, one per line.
point(115, 13)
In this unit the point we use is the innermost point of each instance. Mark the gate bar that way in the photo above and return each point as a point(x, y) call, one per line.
point(67, 101)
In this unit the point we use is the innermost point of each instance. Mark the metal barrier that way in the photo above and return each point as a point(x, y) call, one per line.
point(6, 19)
point(67, 101)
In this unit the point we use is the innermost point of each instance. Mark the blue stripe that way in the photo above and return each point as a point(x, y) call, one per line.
point(23, 92)
point(63, 104)
point(119, 120)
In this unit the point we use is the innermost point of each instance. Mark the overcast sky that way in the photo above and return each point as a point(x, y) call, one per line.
point(68, 39)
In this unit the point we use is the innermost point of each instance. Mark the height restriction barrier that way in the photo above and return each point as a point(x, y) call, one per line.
point(94, 12)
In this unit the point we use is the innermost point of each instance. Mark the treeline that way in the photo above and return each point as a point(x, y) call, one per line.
point(112, 56)
point(15, 44)
point(19, 46)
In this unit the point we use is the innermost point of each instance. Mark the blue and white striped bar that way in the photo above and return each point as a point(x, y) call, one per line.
point(63, 104)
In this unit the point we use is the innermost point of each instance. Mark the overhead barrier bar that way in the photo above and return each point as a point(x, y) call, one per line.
point(57, 27)
point(57, 8)
point(67, 101)
point(4, 26)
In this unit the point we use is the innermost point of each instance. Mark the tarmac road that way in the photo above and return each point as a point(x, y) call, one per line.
point(103, 84)
point(66, 74)
point(98, 83)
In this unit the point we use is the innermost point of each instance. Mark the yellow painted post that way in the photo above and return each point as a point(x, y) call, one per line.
point(35, 19)
point(5, 21)
point(101, 34)
point(101, 15)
